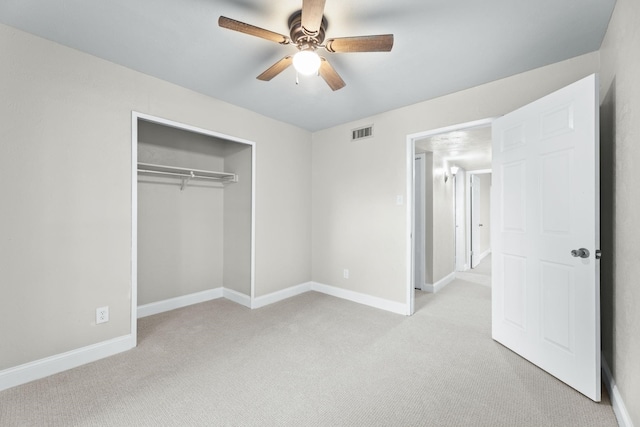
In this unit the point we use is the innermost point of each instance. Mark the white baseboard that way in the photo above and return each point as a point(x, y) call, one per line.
point(433, 288)
point(31, 371)
point(360, 298)
point(237, 297)
point(392, 306)
point(483, 255)
point(37, 369)
point(619, 408)
point(281, 295)
point(178, 302)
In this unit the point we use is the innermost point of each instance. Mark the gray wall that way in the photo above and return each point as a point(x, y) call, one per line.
point(356, 223)
point(198, 238)
point(443, 223)
point(485, 212)
point(180, 232)
point(65, 161)
point(620, 155)
point(428, 224)
point(65, 165)
point(237, 220)
point(461, 220)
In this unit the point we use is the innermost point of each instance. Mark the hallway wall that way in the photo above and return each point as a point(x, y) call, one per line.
point(620, 201)
point(357, 223)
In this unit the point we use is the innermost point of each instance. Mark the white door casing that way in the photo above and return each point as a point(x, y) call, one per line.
point(545, 199)
point(461, 227)
point(419, 234)
point(475, 220)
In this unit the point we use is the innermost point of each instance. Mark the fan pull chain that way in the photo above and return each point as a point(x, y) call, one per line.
point(297, 80)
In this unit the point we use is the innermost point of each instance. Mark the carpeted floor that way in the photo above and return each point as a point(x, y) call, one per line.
point(481, 274)
point(312, 360)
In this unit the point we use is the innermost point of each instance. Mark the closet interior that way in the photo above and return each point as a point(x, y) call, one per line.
point(194, 213)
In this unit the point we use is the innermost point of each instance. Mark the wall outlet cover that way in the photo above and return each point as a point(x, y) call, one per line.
point(102, 315)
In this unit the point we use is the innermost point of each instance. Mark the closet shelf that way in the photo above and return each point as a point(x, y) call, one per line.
point(186, 174)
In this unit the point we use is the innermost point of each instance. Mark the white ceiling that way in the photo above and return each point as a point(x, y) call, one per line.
point(469, 149)
point(441, 46)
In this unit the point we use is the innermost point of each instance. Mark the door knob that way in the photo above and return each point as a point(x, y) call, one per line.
point(580, 253)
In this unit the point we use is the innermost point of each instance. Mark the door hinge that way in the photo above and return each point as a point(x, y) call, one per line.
point(598, 254)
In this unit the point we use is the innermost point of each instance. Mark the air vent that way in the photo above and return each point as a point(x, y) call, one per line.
point(361, 133)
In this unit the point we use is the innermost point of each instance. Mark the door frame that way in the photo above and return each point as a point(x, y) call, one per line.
point(469, 212)
point(410, 185)
point(419, 201)
point(135, 116)
point(550, 314)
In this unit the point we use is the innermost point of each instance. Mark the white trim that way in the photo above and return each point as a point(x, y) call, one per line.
point(253, 221)
point(460, 126)
point(480, 171)
point(411, 138)
point(410, 226)
point(383, 304)
point(619, 408)
point(483, 255)
point(232, 295)
point(61, 362)
point(179, 302)
point(280, 295)
point(35, 370)
point(237, 297)
point(433, 288)
point(134, 226)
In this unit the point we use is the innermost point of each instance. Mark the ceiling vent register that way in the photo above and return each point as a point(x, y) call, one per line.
point(361, 133)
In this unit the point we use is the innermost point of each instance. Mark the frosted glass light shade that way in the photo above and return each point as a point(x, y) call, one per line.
point(306, 62)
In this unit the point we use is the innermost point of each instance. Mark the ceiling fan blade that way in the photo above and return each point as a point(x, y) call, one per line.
point(252, 30)
point(380, 43)
point(330, 76)
point(276, 68)
point(312, 11)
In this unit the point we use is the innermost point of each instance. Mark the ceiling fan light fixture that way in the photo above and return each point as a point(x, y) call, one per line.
point(306, 62)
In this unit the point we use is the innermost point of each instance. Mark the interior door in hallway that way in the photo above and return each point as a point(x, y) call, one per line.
point(475, 220)
point(419, 236)
point(545, 234)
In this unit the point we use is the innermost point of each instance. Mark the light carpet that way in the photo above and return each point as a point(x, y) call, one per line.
point(312, 360)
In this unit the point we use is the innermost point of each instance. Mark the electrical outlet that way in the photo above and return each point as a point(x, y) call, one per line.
point(102, 315)
point(345, 273)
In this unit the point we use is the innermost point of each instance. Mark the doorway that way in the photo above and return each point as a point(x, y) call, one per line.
point(479, 216)
point(420, 195)
point(198, 189)
point(454, 151)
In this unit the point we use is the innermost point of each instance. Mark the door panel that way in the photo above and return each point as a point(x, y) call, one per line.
point(419, 233)
point(515, 279)
point(546, 304)
point(475, 220)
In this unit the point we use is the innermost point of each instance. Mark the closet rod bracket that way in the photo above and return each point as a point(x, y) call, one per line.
point(186, 180)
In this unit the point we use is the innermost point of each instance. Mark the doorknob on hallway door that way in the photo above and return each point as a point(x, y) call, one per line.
point(580, 253)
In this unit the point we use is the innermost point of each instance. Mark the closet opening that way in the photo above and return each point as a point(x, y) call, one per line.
point(193, 194)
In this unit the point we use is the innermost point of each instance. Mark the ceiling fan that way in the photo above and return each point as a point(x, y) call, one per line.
point(307, 28)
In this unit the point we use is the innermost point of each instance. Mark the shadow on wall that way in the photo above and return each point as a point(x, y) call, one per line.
point(607, 222)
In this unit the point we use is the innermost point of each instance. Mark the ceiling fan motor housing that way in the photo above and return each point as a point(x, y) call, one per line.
point(301, 37)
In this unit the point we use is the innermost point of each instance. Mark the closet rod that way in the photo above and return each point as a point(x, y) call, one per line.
point(189, 175)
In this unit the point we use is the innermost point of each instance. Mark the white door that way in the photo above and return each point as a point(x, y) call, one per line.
point(546, 298)
point(461, 249)
point(419, 232)
point(475, 220)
